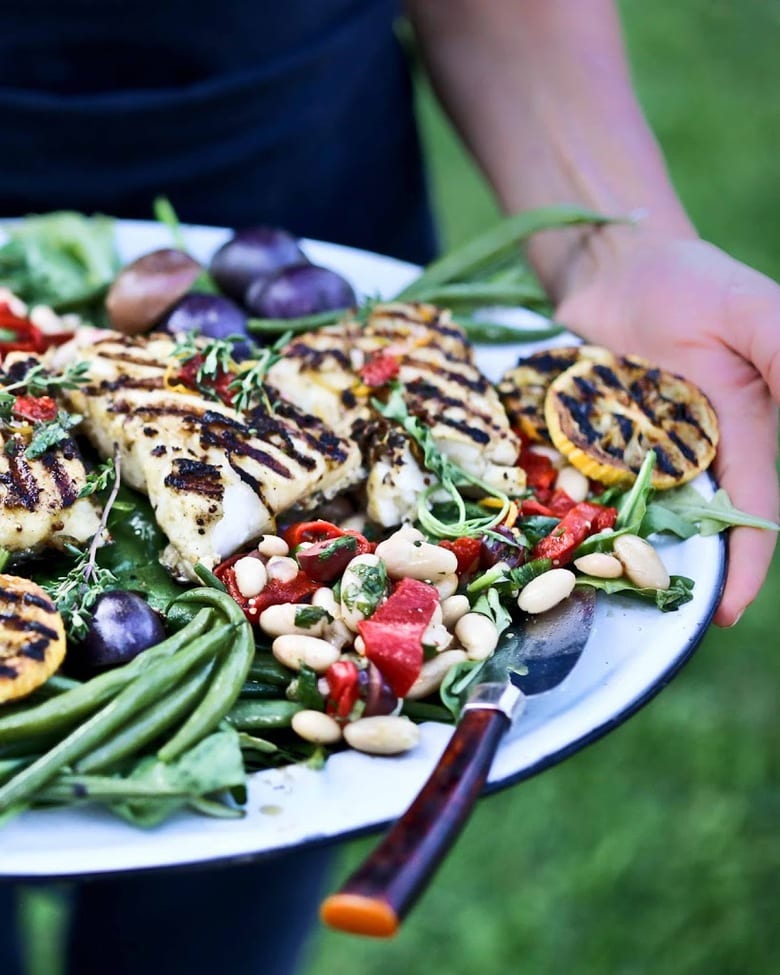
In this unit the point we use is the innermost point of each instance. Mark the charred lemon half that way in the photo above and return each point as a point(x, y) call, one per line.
point(605, 416)
point(32, 637)
point(523, 389)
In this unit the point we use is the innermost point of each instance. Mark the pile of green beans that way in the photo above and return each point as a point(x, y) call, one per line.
point(79, 742)
point(487, 271)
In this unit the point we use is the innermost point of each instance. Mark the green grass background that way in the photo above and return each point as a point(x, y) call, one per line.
point(655, 850)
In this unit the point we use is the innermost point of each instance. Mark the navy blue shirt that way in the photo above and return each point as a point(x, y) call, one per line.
point(296, 113)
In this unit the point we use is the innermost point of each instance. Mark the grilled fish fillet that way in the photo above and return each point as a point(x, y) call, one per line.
point(39, 498)
point(320, 372)
point(216, 478)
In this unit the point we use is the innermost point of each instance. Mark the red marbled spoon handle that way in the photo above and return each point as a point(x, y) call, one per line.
point(382, 890)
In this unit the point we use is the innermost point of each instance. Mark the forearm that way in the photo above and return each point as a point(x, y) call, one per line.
point(539, 90)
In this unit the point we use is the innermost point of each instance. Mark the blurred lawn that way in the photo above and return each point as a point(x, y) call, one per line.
point(657, 849)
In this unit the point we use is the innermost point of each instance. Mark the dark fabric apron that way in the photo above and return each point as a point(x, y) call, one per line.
point(296, 113)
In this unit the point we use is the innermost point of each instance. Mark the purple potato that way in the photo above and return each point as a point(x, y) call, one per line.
point(298, 290)
point(146, 288)
point(122, 625)
point(214, 316)
point(252, 254)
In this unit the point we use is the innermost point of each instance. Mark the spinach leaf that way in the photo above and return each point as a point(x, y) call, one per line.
point(680, 590)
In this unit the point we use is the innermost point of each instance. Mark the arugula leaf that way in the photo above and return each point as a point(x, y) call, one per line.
point(632, 506)
point(680, 590)
point(455, 687)
point(708, 517)
point(489, 604)
point(306, 616)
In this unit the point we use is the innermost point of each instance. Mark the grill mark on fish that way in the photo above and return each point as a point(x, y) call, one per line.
point(473, 433)
point(476, 383)
point(6, 670)
point(313, 358)
point(429, 391)
point(66, 486)
point(23, 489)
point(195, 476)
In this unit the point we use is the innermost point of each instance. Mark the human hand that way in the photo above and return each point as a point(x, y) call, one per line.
point(691, 308)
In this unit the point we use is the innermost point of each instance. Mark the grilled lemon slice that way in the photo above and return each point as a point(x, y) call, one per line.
point(32, 637)
point(604, 416)
point(524, 388)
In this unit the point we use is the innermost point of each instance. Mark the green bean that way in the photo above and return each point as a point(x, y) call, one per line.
point(423, 711)
point(480, 293)
point(59, 683)
point(208, 578)
point(65, 710)
point(278, 326)
point(149, 724)
point(252, 743)
point(267, 669)
point(218, 810)
point(258, 689)
point(151, 684)
point(499, 238)
point(502, 333)
point(226, 682)
point(262, 715)
point(68, 788)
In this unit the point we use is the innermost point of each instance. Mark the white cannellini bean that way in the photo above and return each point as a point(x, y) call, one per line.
point(447, 586)
point(295, 651)
point(600, 564)
point(382, 734)
point(641, 563)
point(433, 673)
point(359, 646)
point(573, 482)
point(324, 598)
point(546, 590)
point(269, 545)
point(281, 568)
point(251, 576)
point(477, 634)
point(437, 636)
point(452, 608)
point(415, 559)
point(352, 587)
point(338, 633)
point(316, 727)
point(281, 618)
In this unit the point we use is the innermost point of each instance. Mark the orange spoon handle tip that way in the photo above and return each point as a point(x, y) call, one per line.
point(358, 914)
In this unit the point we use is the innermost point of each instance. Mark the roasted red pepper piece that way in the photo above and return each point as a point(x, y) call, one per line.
point(274, 592)
point(467, 551)
point(321, 531)
point(343, 679)
point(35, 408)
point(577, 524)
point(27, 336)
point(393, 635)
point(379, 369)
point(219, 382)
point(540, 472)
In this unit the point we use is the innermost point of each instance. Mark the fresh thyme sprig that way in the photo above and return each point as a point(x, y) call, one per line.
point(99, 478)
point(77, 592)
point(449, 474)
point(215, 354)
point(248, 387)
point(38, 381)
